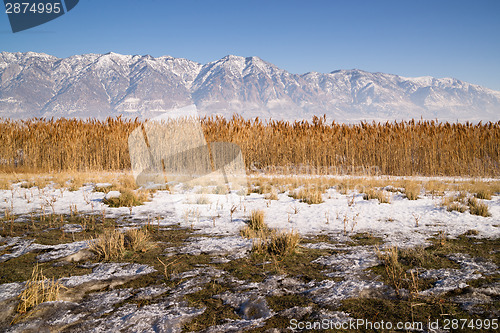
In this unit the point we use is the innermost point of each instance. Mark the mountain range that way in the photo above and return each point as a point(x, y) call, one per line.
point(101, 85)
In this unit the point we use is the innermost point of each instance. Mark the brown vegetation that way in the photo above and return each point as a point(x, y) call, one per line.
point(404, 148)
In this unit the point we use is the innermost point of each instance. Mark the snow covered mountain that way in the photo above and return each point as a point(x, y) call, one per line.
point(95, 85)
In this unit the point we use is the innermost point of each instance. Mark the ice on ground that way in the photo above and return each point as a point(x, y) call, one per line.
point(352, 263)
point(60, 251)
point(55, 316)
point(333, 316)
point(275, 285)
point(296, 312)
point(339, 217)
point(19, 247)
point(108, 271)
point(449, 279)
point(235, 246)
point(207, 271)
point(149, 318)
point(103, 302)
point(248, 305)
point(197, 279)
point(72, 228)
point(329, 292)
point(474, 264)
point(150, 292)
point(322, 246)
point(239, 325)
point(472, 300)
point(10, 290)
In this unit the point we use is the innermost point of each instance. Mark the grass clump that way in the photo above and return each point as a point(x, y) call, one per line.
point(256, 221)
point(112, 244)
point(104, 189)
point(308, 195)
point(381, 196)
point(461, 202)
point(127, 198)
point(477, 207)
point(283, 243)
point(412, 190)
point(261, 186)
point(484, 194)
point(273, 194)
point(396, 273)
point(221, 189)
point(481, 190)
point(435, 188)
point(394, 270)
point(266, 240)
point(256, 227)
point(138, 240)
point(38, 289)
point(456, 206)
point(203, 200)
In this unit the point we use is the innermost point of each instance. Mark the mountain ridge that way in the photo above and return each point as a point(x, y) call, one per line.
point(99, 85)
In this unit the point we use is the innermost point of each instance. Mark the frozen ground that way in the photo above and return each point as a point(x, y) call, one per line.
point(340, 238)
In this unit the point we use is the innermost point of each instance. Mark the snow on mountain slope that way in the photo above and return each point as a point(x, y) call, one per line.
point(94, 85)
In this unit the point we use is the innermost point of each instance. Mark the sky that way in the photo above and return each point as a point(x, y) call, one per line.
point(459, 39)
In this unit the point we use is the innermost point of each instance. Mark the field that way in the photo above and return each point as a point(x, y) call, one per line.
point(337, 226)
point(402, 148)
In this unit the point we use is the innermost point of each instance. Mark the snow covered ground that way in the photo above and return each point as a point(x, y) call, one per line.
point(401, 222)
point(214, 222)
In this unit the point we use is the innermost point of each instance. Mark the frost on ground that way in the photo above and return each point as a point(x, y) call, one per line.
point(203, 275)
point(450, 279)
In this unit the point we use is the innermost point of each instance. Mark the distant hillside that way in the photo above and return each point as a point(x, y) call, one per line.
point(95, 85)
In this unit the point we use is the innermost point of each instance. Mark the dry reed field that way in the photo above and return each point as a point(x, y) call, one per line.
point(394, 148)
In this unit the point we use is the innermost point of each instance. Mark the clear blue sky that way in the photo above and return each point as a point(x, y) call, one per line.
point(441, 38)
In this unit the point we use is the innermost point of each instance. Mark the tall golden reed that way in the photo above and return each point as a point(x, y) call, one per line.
point(392, 148)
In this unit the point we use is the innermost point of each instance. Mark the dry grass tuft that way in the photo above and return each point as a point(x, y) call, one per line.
point(266, 240)
point(477, 207)
point(256, 227)
point(127, 198)
point(456, 206)
point(138, 240)
point(283, 243)
point(273, 195)
point(381, 196)
point(38, 289)
point(482, 191)
point(262, 186)
point(256, 221)
point(394, 270)
point(412, 190)
point(455, 202)
point(311, 195)
point(221, 189)
point(203, 200)
point(435, 188)
point(110, 245)
point(462, 201)
point(5, 184)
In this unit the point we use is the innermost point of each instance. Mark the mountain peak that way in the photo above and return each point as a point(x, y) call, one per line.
point(101, 85)
point(232, 57)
